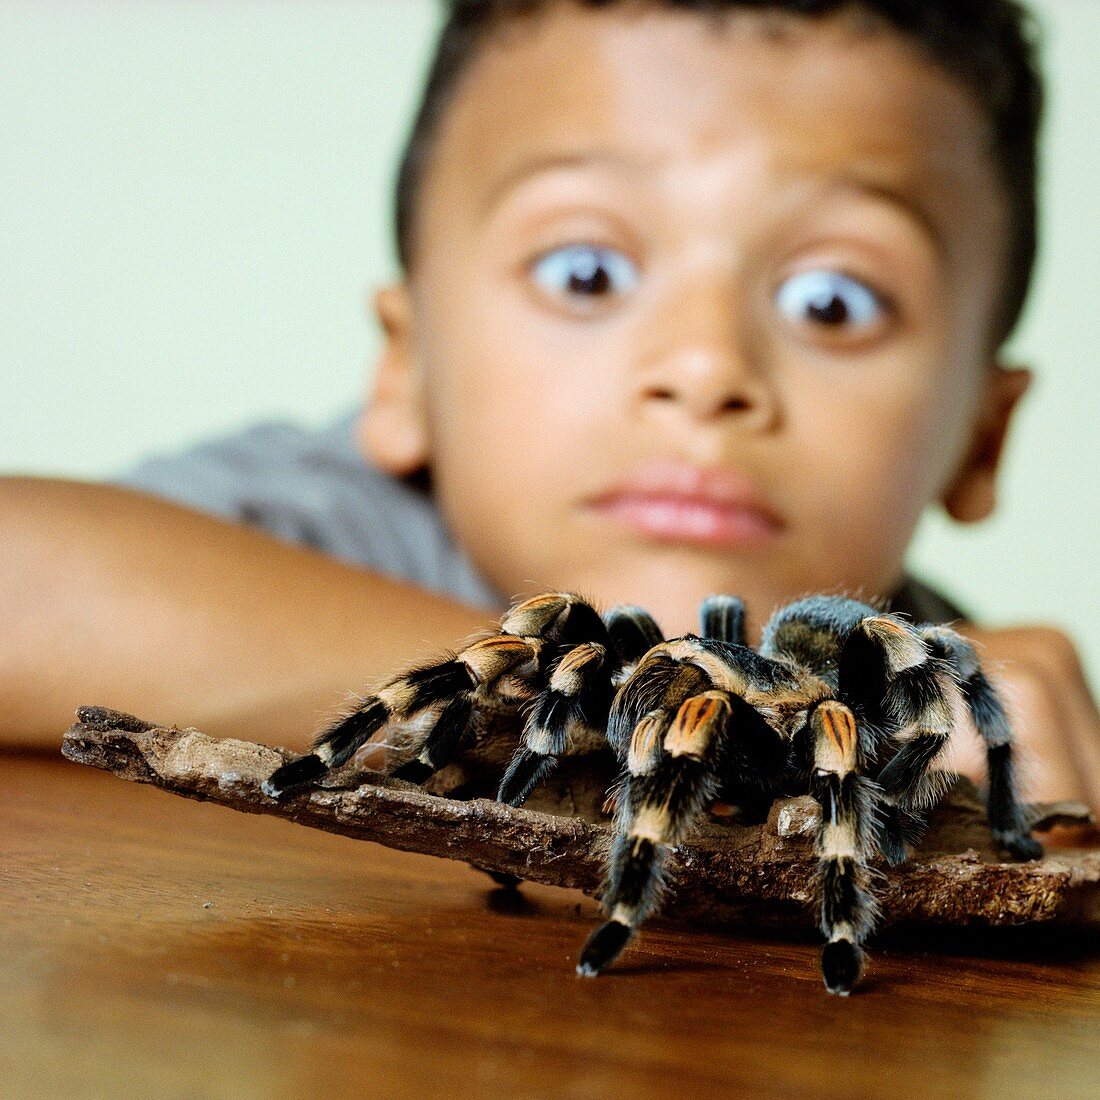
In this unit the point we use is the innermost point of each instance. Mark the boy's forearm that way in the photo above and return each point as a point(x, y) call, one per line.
point(111, 597)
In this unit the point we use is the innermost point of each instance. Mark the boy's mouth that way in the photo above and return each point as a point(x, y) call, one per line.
point(672, 502)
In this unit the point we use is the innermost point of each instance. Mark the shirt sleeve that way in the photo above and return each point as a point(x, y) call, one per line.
point(314, 488)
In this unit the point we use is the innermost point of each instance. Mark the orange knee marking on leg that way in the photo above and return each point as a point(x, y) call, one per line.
point(887, 625)
point(492, 657)
point(643, 745)
point(841, 727)
point(569, 673)
point(533, 615)
point(577, 658)
point(904, 648)
point(541, 601)
point(501, 643)
point(695, 724)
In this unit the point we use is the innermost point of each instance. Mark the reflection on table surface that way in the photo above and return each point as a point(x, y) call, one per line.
point(152, 946)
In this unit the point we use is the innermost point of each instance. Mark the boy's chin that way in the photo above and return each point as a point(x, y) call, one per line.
point(674, 596)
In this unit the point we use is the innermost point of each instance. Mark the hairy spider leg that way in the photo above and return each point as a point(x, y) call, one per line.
point(579, 692)
point(901, 680)
point(1006, 816)
point(539, 631)
point(632, 631)
point(875, 652)
point(681, 738)
point(917, 699)
point(723, 618)
point(659, 684)
point(845, 840)
point(553, 616)
point(450, 682)
point(670, 779)
point(888, 672)
point(867, 657)
point(582, 682)
point(487, 662)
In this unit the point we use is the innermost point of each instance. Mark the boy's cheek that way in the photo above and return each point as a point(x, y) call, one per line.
point(506, 484)
point(852, 515)
point(880, 450)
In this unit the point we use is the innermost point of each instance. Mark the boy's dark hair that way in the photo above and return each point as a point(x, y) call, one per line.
point(987, 45)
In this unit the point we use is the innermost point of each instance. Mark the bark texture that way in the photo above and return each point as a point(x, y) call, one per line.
point(751, 874)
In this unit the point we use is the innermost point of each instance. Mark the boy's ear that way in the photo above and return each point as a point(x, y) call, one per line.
point(393, 427)
point(971, 495)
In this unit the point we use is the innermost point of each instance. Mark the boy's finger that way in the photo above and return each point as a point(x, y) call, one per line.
point(1046, 768)
point(1083, 734)
point(1053, 711)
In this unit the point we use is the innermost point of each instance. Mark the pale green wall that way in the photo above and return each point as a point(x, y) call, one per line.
point(194, 204)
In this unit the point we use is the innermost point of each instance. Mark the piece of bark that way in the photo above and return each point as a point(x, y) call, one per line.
point(752, 874)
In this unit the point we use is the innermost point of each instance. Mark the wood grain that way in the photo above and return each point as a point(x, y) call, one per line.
point(152, 946)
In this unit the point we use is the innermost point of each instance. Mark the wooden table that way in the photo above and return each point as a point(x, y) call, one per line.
point(151, 946)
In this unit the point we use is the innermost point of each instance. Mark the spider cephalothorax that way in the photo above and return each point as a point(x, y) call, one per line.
point(841, 701)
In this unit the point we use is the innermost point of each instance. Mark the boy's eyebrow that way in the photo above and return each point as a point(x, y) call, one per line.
point(845, 181)
point(580, 158)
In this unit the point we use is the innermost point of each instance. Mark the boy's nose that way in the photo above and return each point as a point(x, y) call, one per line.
point(706, 365)
point(703, 384)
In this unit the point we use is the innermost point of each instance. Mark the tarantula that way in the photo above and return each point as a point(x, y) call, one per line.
point(842, 701)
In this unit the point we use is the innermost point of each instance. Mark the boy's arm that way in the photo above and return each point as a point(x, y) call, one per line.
point(115, 598)
point(1054, 715)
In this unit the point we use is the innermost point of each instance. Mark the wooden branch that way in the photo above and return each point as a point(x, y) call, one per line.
point(751, 874)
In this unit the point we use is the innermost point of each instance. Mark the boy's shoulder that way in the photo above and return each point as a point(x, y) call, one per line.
point(312, 487)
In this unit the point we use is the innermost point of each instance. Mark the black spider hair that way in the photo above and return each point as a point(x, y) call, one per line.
point(989, 46)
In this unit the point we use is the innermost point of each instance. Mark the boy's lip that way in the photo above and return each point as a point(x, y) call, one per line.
point(702, 506)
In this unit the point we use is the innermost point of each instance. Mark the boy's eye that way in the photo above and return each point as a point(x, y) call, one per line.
point(585, 270)
point(829, 298)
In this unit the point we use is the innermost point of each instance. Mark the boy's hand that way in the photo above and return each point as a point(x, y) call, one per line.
point(1054, 717)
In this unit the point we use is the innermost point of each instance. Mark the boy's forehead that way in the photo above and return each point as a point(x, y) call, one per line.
point(636, 90)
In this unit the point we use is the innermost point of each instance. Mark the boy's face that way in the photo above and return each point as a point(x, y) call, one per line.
point(699, 309)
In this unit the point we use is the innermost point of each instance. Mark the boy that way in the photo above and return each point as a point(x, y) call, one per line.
point(698, 297)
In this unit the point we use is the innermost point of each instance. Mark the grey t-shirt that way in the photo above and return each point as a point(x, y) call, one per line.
point(314, 488)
